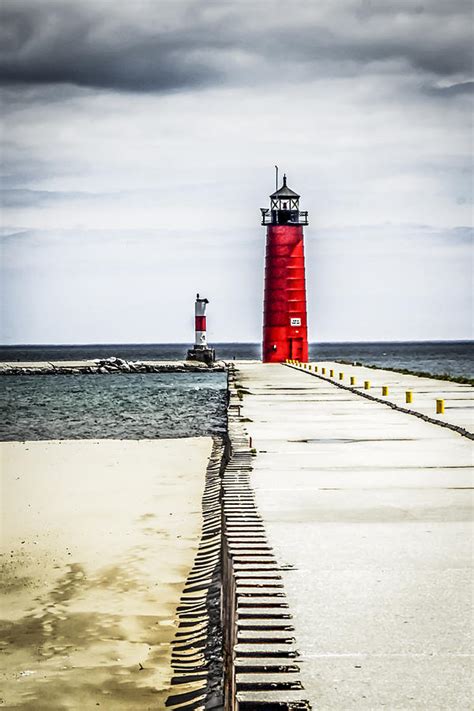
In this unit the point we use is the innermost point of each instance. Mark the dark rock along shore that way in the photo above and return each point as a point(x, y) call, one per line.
point(109, 365)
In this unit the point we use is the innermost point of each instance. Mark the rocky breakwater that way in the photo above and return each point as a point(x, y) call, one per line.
point(105, 366)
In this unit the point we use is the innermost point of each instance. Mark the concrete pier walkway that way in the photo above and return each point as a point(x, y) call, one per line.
point(372, 507)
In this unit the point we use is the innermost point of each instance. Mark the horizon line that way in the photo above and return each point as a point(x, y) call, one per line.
point(224, 343)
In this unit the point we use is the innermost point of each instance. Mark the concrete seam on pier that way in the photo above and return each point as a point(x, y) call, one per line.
point(455, 428)
point(196, 659)
point(259, 644)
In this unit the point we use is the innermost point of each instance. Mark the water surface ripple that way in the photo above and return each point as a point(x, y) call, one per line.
point(131, 406)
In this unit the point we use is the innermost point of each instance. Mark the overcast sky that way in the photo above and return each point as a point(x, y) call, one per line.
point(139, 141)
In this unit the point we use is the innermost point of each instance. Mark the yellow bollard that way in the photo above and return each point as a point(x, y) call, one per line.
point(353, 380)
point(341, 376)
point(366, 384)
point(323, 371)
point(408, 396)
point(315, 368)
point(440, 407)
point(331, 373)
point(309, 367)
point(384, 389)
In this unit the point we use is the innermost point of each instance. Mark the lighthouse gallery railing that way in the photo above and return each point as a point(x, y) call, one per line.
point(275, 217)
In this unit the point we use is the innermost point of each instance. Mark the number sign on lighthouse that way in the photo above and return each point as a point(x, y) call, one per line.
point(284, 310)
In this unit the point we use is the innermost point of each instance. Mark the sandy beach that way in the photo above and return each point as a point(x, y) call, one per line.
point(98, 538)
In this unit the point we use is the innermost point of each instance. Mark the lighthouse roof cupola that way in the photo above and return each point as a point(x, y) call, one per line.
point(284, 193)
point(284, 208)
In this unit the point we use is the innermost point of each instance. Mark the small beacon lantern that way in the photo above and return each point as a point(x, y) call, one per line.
point(201, 350)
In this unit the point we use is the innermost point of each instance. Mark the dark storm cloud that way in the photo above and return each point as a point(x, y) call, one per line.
point(164, 46)
point(90, 45)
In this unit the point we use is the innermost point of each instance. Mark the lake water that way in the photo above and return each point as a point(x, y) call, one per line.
point(137, 406)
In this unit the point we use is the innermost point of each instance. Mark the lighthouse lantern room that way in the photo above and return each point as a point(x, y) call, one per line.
point(284, 311)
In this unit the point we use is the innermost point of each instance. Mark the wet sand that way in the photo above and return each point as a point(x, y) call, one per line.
point(98, 538)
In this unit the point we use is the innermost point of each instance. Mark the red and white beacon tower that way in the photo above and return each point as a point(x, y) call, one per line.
point(201, 350)
point(285, 333)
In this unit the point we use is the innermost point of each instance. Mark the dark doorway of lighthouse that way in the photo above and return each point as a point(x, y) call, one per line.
point(296, 348)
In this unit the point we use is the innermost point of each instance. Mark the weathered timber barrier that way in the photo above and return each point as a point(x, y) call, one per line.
point(196, 657)
point(260, 656)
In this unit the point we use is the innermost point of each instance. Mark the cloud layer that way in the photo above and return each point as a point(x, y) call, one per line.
point(170, 46)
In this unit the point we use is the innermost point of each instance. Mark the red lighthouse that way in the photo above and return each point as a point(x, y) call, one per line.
point(285, 332)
